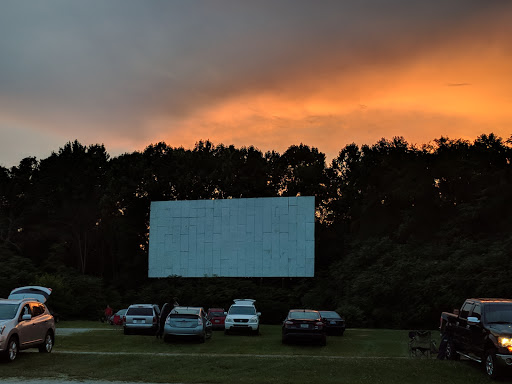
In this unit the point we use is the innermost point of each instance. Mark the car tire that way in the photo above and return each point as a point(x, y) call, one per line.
point(12, 349)
point(47, 345)
point(451, 353)
point(491, 366)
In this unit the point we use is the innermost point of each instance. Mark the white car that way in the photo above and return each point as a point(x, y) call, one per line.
point(25, 322)
point(242, 316)
point(141, 317)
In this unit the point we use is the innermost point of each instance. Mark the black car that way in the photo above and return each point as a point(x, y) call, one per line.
point(304, 324)
point(334, 323)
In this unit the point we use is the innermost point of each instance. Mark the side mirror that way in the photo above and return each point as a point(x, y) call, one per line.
point(26, 317)
point(226, 313)
point(473, 320)
point(259, 313)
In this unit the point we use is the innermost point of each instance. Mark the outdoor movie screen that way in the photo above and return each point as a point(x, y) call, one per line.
point(258, 237)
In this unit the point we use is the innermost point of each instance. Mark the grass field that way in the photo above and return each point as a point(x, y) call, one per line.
point(360, 356)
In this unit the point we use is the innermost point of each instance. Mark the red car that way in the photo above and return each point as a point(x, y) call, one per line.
point(217, 317)
point(117, 319)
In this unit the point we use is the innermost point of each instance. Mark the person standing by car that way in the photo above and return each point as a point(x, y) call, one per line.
point(108, 313)
point(166, 309)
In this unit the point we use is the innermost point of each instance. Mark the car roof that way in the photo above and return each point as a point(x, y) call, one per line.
point(18, 301)
point(492, 300)
point(216, 310)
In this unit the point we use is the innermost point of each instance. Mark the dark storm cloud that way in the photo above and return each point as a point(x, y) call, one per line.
point(72, 64)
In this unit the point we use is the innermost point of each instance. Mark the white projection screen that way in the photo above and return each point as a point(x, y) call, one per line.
point(258, 237)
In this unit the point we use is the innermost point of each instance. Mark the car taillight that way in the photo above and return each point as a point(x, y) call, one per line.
point(319, 325)
point(288, 323)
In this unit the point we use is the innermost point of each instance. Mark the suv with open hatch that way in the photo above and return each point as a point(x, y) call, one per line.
point(25, 322)
point(141, 318)
point(242, 316)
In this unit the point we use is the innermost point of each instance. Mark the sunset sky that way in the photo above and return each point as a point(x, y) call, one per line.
point(274, 73)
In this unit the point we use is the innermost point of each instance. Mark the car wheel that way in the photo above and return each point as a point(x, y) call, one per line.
point(12, 349)
point(491, 368)
point(47, 345)
point(451, 353)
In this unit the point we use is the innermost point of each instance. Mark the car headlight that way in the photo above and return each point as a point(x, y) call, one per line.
point(229, 319)
point(2, 329)
point(254, 319)
point(506, 342)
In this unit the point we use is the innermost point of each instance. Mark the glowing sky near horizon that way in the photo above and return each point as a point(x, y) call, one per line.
point(270, 74)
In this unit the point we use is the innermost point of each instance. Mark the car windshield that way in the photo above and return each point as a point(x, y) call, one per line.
point(303, 315)
point(330, 314)
point(8, 311)
point(121, 312)
point(217, 314)
point(498, 313)
point(242, 310)
point(140, 312)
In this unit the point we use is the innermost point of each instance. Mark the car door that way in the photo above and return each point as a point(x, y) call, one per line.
point(463, 328)
point(476, 333)
point(26, 331)
point(39, 321)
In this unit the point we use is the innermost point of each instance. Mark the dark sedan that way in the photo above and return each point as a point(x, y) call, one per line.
point(334, 323)
point(303, 324)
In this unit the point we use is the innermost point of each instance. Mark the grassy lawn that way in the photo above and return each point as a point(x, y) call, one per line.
point(360, 356)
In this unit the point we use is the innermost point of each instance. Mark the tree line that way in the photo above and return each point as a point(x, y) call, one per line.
point(402, 231)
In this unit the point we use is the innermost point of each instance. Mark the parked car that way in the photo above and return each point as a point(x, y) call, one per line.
point(333, 322)
point(189, 322)
point(481, 331)
point(25, 322)
point(141, 317)
point(217, 317)
point(242, 316)
point(117, 319)
point(303, 324)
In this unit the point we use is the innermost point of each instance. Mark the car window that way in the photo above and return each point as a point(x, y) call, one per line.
point(37, 309)
point(8, 311)
point(330, 314)
point(498, 312)
point(25, 311)
point(465, 310)
point(140, 312)
point(303, 315)
point(477, 312)
point(217, 314)
point(242, 310)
